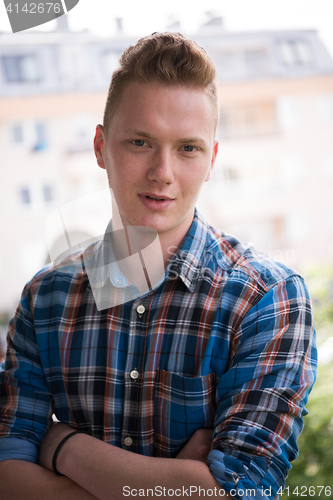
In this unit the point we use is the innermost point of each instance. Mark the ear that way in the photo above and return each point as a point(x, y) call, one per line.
point(213, 159)
point(99, 141)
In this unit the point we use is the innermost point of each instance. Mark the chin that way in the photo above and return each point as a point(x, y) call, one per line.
point(158, 227)
point(145, 221)
point(161, 223)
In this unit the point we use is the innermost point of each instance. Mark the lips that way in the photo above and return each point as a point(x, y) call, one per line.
point(155, 202)
point(157, 197)
point(154, 198)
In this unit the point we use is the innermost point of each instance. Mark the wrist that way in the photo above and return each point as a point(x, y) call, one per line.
point(60, 452)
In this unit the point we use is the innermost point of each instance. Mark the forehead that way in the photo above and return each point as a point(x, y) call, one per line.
point(164, 107)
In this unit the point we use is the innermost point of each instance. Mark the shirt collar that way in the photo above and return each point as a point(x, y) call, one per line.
point(101, 265)
point(187, 262)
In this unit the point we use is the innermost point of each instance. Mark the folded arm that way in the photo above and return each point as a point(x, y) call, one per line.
point(263, 394)
point(22, 480)
point(96, 470)
point(110, 472)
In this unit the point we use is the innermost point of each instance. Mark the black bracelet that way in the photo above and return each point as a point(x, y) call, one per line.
point(60, 445)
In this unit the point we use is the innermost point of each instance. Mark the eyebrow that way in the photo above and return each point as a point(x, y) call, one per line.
point(150, 136)
point(139, 132)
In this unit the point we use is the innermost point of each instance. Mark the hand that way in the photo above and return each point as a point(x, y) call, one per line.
point(198, 446)
point(52, 438)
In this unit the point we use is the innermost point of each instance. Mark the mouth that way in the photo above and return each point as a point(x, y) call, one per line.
point(156, 197)
point(155, 202)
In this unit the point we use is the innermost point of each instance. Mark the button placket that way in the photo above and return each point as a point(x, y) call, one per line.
point(134, 376)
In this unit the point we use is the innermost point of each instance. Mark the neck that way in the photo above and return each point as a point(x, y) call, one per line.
point(151, 252)
point(139, 256)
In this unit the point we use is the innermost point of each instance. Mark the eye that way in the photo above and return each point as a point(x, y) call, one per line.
point(139, 142)
point(189, 149)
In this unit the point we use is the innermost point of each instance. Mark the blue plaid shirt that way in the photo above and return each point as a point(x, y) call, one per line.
point(225, 341)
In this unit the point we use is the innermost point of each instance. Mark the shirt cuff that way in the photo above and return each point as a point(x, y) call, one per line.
point(246, 479)
point(18, 449)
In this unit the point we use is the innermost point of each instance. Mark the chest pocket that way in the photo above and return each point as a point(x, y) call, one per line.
point(182, 405)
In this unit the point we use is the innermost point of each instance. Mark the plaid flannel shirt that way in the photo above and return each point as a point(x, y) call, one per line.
point(225, 341)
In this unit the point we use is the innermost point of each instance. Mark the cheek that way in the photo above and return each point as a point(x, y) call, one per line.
point(195, 178)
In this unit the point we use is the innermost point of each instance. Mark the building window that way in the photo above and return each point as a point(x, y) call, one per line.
point(47, 194)
point(40, 132)
point(83, 130)
point(17, 133)
point(25, 197)
point(30, 134)
point(295, 53)
point(22, 68)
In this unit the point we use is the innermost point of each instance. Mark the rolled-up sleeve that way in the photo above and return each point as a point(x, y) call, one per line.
point(25, 400)
point(17, 449)
point(262, 396)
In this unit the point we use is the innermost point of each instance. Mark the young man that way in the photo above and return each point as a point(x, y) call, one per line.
point(197, 385)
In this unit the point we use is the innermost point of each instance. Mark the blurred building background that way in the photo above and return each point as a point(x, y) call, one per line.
point(271, 185)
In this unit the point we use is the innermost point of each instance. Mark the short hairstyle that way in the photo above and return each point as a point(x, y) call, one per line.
point(167, 59)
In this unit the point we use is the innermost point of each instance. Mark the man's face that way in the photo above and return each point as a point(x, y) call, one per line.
point(158, 152)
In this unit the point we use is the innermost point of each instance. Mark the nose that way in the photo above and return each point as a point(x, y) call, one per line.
point(162, 168)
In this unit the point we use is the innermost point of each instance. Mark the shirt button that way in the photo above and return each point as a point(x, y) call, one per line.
point(134, 374)
point(140, 309)
point(128, 441)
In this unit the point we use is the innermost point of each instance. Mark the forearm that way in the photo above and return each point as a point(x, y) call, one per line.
point(22, 480)
point(104, 470)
